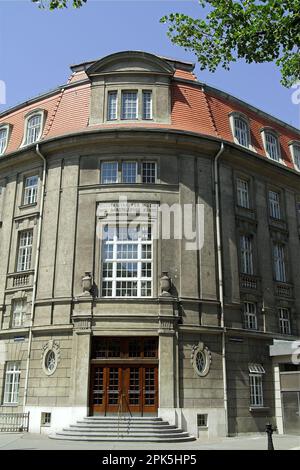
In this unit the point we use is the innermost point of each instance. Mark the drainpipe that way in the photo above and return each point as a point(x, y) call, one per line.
point(37, 257)
point(220, 277)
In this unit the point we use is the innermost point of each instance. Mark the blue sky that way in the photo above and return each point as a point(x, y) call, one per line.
point(37, 47)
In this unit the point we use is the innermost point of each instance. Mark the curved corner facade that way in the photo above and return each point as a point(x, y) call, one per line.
point(105, 310)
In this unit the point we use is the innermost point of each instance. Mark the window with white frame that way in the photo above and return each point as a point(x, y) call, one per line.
point(284, 321)
point(112, 106)
point(250, 316)
point(246, 250)
point(272, 146)
point(127, 261)
point(25, 250)
point(242, 187)
point(148, 172)
point(241, 131)
point(129, 105)
point(274, 205)
point(296, 155)
point(147, 104)
point(256, 372)
point(129, 172)
point(3, 139)
point(279, 262)
point(30, 190)
point(12, 383)
point(109, 172)
point(18, 312)
point(33, 128)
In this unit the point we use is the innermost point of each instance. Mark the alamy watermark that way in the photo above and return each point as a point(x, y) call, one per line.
point(296, 353)
point(2, 92)
point(177, 221)
point(296, 96)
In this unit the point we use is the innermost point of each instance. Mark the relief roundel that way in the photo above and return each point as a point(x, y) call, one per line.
point(50, 357)
point(201, 359)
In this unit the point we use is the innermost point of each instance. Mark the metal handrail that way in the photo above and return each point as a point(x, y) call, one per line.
point(120, 409)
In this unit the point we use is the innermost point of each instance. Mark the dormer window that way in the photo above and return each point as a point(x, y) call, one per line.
point(271, 144)
point(33, 130)
point(112, 106)
point(129, 105)
point(240, 130)
point(3, 138)
point(295, 152)
point(33, 127)
point(147, 104)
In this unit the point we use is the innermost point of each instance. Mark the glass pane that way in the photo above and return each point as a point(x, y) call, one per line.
point(98, 386)
point(129, 105)
point(109, 172)
point(129, 172)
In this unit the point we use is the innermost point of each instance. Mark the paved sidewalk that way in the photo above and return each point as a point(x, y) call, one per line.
point(27, 441)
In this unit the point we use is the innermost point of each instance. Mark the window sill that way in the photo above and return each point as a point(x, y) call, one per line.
point(10, 405)
point(259, 408)
point(27, 206)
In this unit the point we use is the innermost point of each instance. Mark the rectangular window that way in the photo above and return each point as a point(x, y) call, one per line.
point(250, 316)
point(30, 190)
point(109, 172)
point(3, 139)
point(148, 172)
point(129, 105)
point(129, 172)
point(25, 250)
point(147, 104)
point(274, 205)
point(33, 130)
point(112, 105)
point(284, 321)
point(45, 418)
point(272, 146)
point(243, 193)
point(202, 421)
point(256, 390)
point(127, 266)
point(246, 254)
point(12, 383)
point(18, 312)
point(279, 262)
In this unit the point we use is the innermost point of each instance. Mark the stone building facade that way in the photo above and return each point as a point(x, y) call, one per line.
point(96, 320)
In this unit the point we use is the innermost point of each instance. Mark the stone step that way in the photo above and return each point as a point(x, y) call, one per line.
point(110, 419)
point(123, 425)
point(173, 439)
point(136, 429)
point(113, 431)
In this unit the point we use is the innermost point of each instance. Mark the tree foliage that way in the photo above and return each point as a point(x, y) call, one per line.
point(257, 31)
point(55, 4)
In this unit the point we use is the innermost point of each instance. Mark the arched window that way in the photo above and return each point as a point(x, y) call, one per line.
point(3, 138)
point(241, 131)
point(271, 144)
point(295, 152)
point(33, 128)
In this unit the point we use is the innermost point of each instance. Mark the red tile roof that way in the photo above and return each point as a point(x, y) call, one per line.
point(195, 108)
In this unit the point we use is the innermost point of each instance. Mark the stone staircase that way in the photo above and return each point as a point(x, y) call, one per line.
point(125, 429)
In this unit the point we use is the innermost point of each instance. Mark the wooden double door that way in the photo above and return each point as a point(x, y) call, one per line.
point(122, 388)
